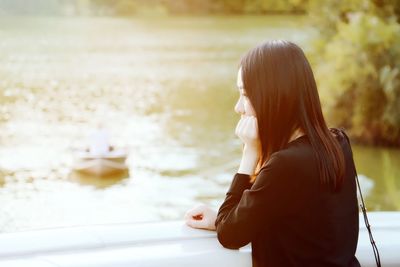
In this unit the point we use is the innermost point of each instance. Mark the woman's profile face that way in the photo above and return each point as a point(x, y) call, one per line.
point(243, 105)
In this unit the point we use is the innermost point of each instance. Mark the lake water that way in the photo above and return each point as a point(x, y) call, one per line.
point(165, 90)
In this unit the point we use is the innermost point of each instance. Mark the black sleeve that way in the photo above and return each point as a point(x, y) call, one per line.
point(248, 207)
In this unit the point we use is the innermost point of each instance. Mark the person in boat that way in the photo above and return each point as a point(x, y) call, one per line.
point(99, 142)
point(293, 196)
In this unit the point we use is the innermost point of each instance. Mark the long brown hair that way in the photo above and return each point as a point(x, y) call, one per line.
point(280, 85)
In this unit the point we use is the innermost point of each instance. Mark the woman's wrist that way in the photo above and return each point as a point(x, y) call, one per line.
point(249, 161)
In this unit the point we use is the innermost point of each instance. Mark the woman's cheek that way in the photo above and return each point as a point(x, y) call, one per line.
point(248, 108)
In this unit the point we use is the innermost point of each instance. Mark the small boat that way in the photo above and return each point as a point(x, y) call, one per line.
point(110, 163)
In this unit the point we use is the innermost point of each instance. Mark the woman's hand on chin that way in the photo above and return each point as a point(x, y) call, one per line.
point(247, 131)
point(202, 217)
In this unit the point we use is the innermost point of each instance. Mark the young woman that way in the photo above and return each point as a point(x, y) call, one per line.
point(294, 194)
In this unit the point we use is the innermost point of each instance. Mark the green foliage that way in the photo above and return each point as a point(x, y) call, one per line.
point(358, 72)
point(130, 7)
point(271, 6)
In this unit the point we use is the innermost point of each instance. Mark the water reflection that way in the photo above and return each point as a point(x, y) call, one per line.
point(98, 182)
point(382, 166)
point(164, 88)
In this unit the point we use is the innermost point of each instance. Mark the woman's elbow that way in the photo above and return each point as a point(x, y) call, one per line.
point(229, 240)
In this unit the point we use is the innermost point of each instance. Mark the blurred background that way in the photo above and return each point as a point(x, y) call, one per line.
point(160, 77)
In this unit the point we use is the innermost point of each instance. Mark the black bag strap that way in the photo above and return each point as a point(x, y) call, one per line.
point(364, 211)
point(371, 238)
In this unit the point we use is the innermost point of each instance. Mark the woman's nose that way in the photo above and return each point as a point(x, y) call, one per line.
point(239, 107)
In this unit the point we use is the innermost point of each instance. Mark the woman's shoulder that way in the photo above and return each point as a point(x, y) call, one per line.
point(287, 158)
point(301, 153)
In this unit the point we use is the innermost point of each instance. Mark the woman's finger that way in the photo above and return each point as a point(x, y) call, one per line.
point(195, 215)
point(239, 126)
point(246, 128)
point(186, 216)
point(248, 125)
point(191, 214)
point(195, 211)
point(196, 223)
point(253, 127)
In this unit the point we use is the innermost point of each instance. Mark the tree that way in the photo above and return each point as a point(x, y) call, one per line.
point(358, 67)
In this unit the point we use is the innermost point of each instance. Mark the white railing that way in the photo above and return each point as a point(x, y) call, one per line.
point(169, 243)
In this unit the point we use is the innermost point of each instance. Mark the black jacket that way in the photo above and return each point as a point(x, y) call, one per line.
point(285, 215)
